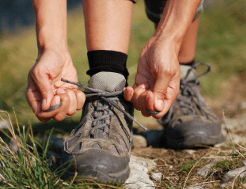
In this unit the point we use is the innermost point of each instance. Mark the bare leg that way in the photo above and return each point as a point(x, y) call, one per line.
point(188, 47)
point(108, 24)
point(187, 50)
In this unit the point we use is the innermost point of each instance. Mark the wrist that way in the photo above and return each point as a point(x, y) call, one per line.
point(167, 43)
point(51, 39)
point(174, 35)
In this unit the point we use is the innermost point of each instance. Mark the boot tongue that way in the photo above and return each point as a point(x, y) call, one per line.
point(107, 81)
point(184, 69)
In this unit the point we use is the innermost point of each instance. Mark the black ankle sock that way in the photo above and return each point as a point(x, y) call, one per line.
point(189, 63)
point(111, 61)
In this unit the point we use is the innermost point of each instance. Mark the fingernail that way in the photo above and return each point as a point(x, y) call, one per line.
point(147, 97)
point(57, 100)
point(44, 103)
point(145, 86)
point(160, 105)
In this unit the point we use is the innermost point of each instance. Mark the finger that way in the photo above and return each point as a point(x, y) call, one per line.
point(55, 103)
point(142, 104)
point(55, 100)
point(80, 99)
point(137, 92)
point(145, 113)
point(45, 116)
point(73, 102)
point(172, 93)
point(159, 91)
point(150, 101)
point(65, 99)
point(41, 80)
point(166, 108)
point(128, 93)
point(33, 99)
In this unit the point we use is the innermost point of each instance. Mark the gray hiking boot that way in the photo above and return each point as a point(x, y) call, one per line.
point(190, 122)
point(100, 145)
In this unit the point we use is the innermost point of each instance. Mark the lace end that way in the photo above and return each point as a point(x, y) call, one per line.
point(140, 124)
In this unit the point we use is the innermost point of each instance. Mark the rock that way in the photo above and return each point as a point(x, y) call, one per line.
point(238, 139)
point(231, 124)
point(204, 171)
point(233, 173)
point(139, 141)
point(12, 143)
point(4, 124)
point(156, 176)
point(242, 105)
point(190, 151)
point(139, 161)
point(244, 162)
point(197, 186)
point(138, 180)
point(220, 144)
point(139, 177)
point(226, 184)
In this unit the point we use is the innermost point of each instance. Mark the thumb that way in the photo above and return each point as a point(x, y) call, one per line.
point(159, 91)
point(42, 82)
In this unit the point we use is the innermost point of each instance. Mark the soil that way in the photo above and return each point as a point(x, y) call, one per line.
point(173, 163)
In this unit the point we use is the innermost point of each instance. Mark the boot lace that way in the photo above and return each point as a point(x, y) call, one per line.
point(188, 96)
point(103, 112)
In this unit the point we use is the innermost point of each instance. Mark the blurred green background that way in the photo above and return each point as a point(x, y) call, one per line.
point(221, 43)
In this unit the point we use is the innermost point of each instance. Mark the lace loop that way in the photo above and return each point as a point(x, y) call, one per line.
point(187, 92)
point(107, 97)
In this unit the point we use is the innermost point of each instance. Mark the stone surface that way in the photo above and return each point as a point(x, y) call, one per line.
point(196, 186)
point(204, 171)
point(12, 143)
point(190, 151)
point(233, 173)
point(139, 141)
point(156, 176)
point(139, 177)
point(4, 124)
point(242, 105)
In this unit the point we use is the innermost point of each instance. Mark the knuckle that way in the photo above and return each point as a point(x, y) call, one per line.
point(168, 72)
point(71, 112)
point(59, 117)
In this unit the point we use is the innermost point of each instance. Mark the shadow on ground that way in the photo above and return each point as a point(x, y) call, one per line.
point(62, 127)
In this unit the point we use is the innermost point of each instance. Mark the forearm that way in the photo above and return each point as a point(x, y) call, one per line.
point(51, 24)
point(176, 20)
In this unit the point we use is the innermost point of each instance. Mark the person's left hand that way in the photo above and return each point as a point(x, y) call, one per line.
point(158, 78)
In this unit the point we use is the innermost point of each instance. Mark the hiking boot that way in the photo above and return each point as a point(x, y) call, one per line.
point(190, 122)
point(100, 145)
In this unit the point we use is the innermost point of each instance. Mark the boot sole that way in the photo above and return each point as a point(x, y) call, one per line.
point(102, 177)
point(194, 141)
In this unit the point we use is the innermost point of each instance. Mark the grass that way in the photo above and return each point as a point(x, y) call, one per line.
point(221, 42)
point(29, 166)
point(228, 164)
point(26, 167)
point(187, 167)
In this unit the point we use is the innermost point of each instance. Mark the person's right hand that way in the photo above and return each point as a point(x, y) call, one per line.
point(45, 88)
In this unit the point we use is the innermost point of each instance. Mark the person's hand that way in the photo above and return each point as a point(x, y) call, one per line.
point(157, 80)
point(45, 88)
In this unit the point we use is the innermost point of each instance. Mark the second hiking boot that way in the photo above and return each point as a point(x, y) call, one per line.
point(190, 122)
